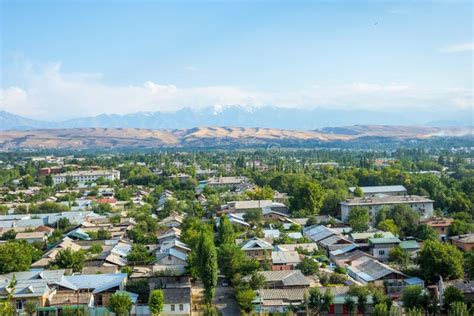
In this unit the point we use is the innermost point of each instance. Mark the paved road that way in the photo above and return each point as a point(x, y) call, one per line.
point(225, 301)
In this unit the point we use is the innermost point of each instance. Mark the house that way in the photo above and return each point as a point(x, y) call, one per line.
point(32, 237)
point(279, 300)
point(380, 247)
point(318, 232)
point(86, 176)
point(422, 205)
point(239, 183)
point(410, 245)
point(245, 206)
point(439, 224)
point(463, 242)
point(164, 196)
point(381, 190)
point(257, 249)
point(368, 270)
point(285, 259)
point(171, 260)
point(465, 286)
point(283, 279)
point(170, 234)
point(177, 301)
point(308, 248)
point(174, 220)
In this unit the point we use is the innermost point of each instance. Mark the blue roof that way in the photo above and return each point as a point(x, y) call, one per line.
point(97, 282)
point(414, 281)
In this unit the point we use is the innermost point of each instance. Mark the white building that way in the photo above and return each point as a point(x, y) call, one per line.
point(86, 176)
point(177, 301)
point(421, 204)
point(382, 190)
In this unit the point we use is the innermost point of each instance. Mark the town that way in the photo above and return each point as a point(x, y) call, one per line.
point(287, 232)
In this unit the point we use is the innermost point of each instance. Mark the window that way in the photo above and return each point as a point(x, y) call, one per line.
point(181, 307)
point(19, 304)
point(381, 252)
point(172, 307)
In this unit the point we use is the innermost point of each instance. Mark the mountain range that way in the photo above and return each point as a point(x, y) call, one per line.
point(264, 117)
point(211, 137)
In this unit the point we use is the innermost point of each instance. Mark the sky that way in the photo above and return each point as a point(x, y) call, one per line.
point(66, 59)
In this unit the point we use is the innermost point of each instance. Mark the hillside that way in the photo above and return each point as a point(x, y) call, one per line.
point(111, 138)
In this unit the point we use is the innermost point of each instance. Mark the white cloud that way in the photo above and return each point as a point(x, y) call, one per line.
point(458, 48)
point(49, 93)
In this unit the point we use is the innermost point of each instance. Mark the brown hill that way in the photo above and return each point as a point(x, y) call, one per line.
point(107, 138)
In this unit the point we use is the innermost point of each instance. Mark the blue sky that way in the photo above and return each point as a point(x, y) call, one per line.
point(127, 56)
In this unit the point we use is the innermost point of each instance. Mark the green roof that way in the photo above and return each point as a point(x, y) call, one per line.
point(388, 240)
point(409, 244)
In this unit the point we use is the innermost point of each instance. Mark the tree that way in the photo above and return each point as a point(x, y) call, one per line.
point(405, 218)
point(381, 310)
point(308, 266)
point(414, 312)
point(359, 219)
point(413, 297)
point(439, 259)
point(388, 225)
point(30, 307)
point(451, 295)
point(103, 234)
point(16, 256)
point(425, 232)
point(156, 302)
point(139, 255)
point(308, 197)
point(458, 309)
point(225, 231)
point(358, 192)
point(69, 259)
point(459, 227)
point(400, 256)
point(469, 264)
point(120, 303)
point(350, 305)
point(319, 302)
point(9, 235)
point(254, 216)
point(257, 281)
point(207, 265)
point(245, 298)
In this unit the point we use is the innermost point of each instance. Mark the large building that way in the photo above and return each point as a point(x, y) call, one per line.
point(382, 190)
point(86, 176)
point(421, 204)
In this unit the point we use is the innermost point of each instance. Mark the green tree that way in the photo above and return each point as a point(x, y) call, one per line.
point(69, 259)
point(254, 216)
point(439, 259)
point(103, 234)
point(245, 298)
point(257, 281)
point(139, 254)
point(9, 235)
point(319, 302)
point(358, 192)
point(207, 265)
point(30, 307)
point(414, 312)
point(459, 227)
point(381, 310)
point(413, 297)
point(156, 302)
point(400, 256)
point(350, 305)
point(388, 225)
point(308, 266)
point(120, 303)
point(469, 264)
point(425, 232)
point(458, 309)
point(451, 295)
point(16, 256)
point(226, 232)
point(307, 197)
point(359, 219)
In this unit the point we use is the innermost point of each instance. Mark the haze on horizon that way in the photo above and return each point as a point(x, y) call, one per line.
point(68, 59)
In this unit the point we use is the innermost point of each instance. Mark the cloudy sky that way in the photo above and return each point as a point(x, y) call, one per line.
point(65, 59)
